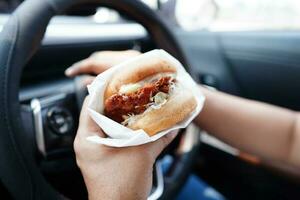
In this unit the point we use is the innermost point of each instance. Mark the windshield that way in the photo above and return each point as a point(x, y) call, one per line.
point(212, 15)
point(222, 15)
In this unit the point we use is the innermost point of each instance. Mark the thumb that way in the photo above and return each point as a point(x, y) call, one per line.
point(86, 123)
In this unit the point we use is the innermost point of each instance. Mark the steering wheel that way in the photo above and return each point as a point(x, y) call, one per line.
point(19, 142)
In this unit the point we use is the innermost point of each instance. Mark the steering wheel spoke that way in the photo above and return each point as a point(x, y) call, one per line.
point(55, 120)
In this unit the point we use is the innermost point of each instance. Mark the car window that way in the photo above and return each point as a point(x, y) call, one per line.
point(238, 15)
point(213, 15)
point(231, 15)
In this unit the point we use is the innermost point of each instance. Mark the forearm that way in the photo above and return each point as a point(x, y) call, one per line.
point(264, 130)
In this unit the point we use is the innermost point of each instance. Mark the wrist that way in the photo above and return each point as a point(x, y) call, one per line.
point(131, 182)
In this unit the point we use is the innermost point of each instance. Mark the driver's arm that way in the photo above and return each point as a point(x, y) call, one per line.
point(267, 131)
point(264, 130)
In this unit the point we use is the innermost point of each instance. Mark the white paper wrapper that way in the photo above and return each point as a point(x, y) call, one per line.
point(119, 135)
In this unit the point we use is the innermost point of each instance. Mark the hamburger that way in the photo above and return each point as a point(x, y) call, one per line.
point(148, 96)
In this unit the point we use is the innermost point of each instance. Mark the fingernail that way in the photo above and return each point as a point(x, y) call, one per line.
point(69, 71)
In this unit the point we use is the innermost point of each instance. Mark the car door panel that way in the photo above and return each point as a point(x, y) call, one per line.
point(266, 65)
point(206, 59)
point(262, 65)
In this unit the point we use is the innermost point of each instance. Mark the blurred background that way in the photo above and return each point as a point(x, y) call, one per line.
point(213, 15)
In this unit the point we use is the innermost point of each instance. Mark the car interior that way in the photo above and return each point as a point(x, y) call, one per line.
point(41, 39)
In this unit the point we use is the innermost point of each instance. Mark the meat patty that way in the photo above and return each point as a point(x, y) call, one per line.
point(137, 102)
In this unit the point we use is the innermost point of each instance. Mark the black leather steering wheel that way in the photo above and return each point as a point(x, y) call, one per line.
point(20, 38)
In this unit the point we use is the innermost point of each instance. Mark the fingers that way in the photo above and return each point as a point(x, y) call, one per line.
point(86, 123)
point(98, 62)
point(85, 66)
point(158, 146)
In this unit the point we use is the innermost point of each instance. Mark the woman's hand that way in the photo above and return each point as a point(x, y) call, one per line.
point(100, 61)
point(115, 173)
point(112, 173)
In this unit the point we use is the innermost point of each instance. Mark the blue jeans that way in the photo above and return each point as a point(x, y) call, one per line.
point(194, 188)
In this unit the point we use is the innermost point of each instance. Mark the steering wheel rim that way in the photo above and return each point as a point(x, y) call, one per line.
point(20, 38)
